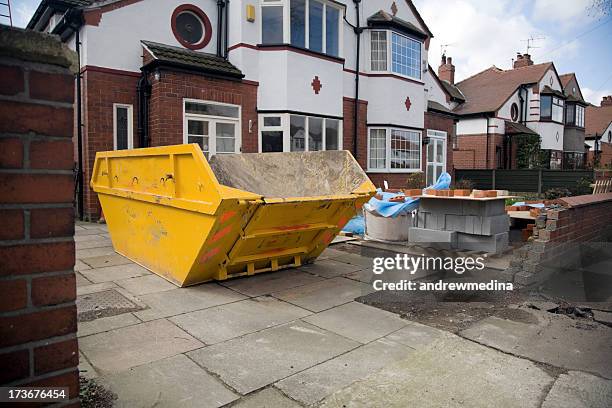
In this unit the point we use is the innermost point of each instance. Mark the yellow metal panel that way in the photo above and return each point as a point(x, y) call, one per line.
point(166, 211)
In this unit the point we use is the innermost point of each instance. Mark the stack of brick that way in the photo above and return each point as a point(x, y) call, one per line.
point(38, 322)
point(562, 237)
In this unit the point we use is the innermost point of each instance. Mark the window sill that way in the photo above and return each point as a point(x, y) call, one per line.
point(390, 74)
point(299, 50)
point(393, 171)
point(547, 120)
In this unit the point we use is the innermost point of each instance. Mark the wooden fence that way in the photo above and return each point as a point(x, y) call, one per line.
point(536, 180)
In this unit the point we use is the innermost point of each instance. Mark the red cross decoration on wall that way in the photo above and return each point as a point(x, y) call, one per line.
point(408, 103)
point(316, 85)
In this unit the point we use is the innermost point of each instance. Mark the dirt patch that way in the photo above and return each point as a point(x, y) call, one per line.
point(93, 395)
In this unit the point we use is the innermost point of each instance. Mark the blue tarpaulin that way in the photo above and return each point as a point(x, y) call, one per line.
point(386, 208)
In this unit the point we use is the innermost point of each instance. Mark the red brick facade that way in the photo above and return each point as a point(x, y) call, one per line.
point(166, 105)
point(605, 156)
point(471, 151)
point(101, 89)
point(38, 319)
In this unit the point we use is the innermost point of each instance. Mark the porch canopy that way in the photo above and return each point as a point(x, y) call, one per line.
point(514, 128)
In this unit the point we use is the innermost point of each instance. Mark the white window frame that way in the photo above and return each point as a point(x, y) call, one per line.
point(130, 128)
point(286, 4)
point(437, 135)
point(285, 128)
point(388, 168)
point(389, 69)
point(213, 120)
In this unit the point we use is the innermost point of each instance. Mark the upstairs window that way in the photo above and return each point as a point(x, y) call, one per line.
point(402, 54)
point(574, 115)
point(313, 24)
point(551, 108)
point(272, 22)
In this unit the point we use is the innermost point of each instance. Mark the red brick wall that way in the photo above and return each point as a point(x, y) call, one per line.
point(471, 151)
point(38, 321)
point(101, 89)
point(605, 156)
point(166, 105)
point(559, 233)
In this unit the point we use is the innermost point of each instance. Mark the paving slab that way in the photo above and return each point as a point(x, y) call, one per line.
point(316, 383)
point(104, 324)
point(324, 294)
point(357, 321)
point(330, 253)
point(95, 287)
point(602, 317)
point(355, 259)
point(80, 265)
point(220, 323)
point(85, 238)
point(586, 345)
point(266, 283)
point(579, 390)
point(100, 242)
point(87, 231)
point(143, 285)
point(329, 268)
point(118, 350)
point(85, 369)
point(92, 252)
point(106, 260)
point(266, 398)
point(112, 273)
point(418, 336)
point(172, 382)
point(450, 372)
point(81, 281)
point(259, 359)
point(182, 300)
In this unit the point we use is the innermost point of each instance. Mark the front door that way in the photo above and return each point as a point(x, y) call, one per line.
point(436, 155)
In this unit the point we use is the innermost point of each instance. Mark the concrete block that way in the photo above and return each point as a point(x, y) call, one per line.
point(494, 244)
point(439, 206)
point(482, 208)
point(431, 237)
point(495, 224)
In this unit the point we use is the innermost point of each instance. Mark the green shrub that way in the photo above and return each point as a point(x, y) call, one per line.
point(416, 180)
point(464, 184)
point(557, 192)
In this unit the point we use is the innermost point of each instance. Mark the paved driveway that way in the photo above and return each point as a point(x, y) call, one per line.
point(286, 339)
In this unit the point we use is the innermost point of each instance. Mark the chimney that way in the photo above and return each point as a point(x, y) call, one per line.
point(606, 100)
point(446, 70)
point(522, 60)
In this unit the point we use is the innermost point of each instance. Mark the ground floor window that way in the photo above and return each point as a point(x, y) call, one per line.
point(394, 150)
point(573, 160)
point(298, 133)
point(214, 126)
point(123, 128)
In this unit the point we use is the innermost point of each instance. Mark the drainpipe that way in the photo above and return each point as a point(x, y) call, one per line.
point(79, 103)
point(226, 29)
point(358, 30)
point(487, 163)
point(220, 5)
point(144, 92)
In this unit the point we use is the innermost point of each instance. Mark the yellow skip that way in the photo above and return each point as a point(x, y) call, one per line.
point(189, 221)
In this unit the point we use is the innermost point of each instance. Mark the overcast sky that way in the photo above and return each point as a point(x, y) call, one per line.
point(482, 33)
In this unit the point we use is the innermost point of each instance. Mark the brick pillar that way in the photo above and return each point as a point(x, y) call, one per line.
point(38, 323)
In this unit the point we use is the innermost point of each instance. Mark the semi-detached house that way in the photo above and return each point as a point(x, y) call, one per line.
point(599, 133)
point(497, 108)
point(257, 76)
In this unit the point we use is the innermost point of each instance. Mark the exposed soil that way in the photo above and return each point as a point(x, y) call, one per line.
point(93, 395)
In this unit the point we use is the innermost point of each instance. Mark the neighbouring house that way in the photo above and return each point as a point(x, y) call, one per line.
point(599, 133)
point(521, 117)
point(257, 76)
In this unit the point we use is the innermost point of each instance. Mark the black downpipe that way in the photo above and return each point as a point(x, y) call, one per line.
point(226, 30)
point(144, 92)
point(79, 102)
point(487, 143)
point(358, 30)
point(220, 4)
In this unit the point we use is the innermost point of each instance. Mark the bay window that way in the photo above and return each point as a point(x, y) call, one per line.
point(313, 24)
point(574, 115)
point(394, 150)
point(551, 108)
point(402, 54)
point(213, 126)
point(285, 132)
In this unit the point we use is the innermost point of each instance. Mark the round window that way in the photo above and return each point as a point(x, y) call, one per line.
point(514, 112)
point(191, 27)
